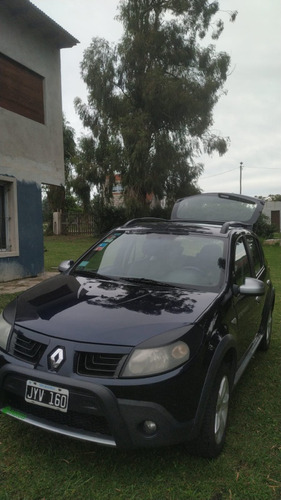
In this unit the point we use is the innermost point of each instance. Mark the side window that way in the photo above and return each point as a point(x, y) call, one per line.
point(242, 267)
point(253, 245)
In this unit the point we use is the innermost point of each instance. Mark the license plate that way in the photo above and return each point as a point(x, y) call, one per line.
point(46, 395)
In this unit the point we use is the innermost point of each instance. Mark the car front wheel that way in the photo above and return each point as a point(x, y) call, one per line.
point(211, 439)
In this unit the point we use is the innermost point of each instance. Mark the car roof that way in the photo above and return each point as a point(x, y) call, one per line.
point(176, 227)
point(207, 213)
point(219, 208)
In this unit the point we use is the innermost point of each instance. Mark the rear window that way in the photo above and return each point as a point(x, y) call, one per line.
point(218, 208)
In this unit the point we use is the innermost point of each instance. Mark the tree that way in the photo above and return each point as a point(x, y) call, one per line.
point(58, 196)
point(95, 166)
point(70, 152)
point(152, 95)
point(275, 197)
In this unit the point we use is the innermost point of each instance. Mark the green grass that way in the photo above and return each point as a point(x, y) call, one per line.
point(5, 298)
point(59, 248)
point(35, 465)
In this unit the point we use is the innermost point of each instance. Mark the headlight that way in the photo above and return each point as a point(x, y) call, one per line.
point(143, 362)
point(5, 329)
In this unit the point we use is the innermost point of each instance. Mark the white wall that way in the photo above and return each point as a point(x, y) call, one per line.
point(271, 206)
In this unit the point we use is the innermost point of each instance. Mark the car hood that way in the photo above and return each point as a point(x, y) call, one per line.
point(107, 311)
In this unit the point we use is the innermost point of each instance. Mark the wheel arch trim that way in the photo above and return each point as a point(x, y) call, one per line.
point(225, 352)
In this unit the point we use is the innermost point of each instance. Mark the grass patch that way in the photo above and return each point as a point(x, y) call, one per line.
point(5, 298)
point(59, 248)
point(36, 465)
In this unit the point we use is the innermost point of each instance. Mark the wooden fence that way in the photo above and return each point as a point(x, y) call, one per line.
point(75, 223)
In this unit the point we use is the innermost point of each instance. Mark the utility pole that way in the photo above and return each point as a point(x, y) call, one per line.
point(241, 168)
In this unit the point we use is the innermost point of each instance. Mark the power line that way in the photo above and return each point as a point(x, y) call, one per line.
point(227, 171)
point(215, 175)
point(267, 168)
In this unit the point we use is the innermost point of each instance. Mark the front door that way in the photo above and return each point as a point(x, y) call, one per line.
point(275, 219)
point(247, 307)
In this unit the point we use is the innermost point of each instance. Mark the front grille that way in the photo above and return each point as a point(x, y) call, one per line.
point(25, 348)
point(100, 364)
point(75, 420)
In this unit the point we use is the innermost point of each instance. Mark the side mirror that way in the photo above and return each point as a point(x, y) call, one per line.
point(252, 286)
point(65, 265)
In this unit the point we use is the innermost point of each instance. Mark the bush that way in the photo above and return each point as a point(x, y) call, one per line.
point(107, 216)
point(263, 228)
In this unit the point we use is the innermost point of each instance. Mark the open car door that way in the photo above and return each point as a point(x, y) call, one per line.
point(218, 208)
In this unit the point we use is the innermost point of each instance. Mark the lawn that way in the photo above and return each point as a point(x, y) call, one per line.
point(59, 248)
point(35, 465)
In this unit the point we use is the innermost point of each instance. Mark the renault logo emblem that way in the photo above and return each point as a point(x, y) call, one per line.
point(56, 358)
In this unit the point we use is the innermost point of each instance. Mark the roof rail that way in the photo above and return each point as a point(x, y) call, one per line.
point(224, 225)
point(234, 223)
point(194, 222)
point(144, 219)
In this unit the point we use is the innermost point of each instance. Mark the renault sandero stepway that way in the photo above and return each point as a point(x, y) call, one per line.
point(140, 342)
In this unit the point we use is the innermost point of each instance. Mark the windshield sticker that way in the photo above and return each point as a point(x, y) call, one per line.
point(84, 263)
point(101, 247)
point(107, 241)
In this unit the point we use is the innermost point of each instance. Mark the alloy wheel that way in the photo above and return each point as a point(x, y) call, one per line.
point(221, 409)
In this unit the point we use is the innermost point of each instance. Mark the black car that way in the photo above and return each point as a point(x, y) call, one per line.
point(141, 341)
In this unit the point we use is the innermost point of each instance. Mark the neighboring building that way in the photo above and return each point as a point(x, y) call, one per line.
point(118, 195)
point(31, 133)
point(117, 192)
point(272, 209)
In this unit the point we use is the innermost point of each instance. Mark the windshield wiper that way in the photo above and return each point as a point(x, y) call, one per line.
point(147, 281)
point(82, 272)
point(94, 274)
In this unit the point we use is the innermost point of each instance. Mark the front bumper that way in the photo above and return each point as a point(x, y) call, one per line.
point(94, 414)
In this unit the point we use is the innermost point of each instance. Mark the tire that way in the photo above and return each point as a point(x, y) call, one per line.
point(211, 439)
point(265, 343)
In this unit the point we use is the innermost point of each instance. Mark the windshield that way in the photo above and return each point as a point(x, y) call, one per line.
point(166, 258)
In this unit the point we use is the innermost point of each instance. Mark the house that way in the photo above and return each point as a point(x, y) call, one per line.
point(31, 132)
point(272, 209)
point(117, 191)
point(118, 194)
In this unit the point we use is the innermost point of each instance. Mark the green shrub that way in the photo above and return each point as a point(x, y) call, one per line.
point(108, 216)
point(263, 227)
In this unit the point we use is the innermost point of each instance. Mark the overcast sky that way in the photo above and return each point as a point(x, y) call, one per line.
point(250, 113)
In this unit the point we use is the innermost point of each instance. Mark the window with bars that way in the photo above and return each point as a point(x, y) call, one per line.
point(9, 245)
